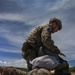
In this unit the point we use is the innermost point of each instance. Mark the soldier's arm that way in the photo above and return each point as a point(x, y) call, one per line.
point(56, 50)
point(48, 42)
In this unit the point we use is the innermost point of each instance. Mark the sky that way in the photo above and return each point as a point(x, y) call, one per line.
point(19, 17)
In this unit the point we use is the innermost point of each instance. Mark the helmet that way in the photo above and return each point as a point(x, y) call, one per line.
point(57, 21)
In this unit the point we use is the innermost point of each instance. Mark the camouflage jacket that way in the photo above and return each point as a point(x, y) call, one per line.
point(41, 37)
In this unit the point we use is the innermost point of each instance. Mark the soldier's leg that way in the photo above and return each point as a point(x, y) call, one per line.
point(31, 56)
point(29, 66)
point(28, 54)
point(25, 55)
point(63, 67)
point(65, 63)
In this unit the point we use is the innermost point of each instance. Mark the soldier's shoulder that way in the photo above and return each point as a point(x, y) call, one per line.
point(46, 27)
point(43, 25)
point(40, 26)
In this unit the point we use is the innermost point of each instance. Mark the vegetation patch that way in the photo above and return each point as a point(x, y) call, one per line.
point(72, 69)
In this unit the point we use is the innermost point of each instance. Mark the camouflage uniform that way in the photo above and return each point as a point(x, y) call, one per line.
point(40, 37)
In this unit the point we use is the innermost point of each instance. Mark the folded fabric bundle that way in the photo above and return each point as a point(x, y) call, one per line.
point(46, 61)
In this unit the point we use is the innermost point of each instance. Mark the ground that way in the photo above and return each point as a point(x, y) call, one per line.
point(72, 73)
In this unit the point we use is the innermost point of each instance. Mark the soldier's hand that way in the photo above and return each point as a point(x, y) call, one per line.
point(63, 54)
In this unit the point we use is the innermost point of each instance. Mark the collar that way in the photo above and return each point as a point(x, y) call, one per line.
point(50, 27)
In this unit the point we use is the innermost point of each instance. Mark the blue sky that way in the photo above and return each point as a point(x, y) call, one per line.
point(19, 17)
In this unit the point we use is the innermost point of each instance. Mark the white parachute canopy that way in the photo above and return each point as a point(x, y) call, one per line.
point(46, 61)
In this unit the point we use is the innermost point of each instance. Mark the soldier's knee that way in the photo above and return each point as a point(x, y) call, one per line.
point(29, 66)
point(63, 69)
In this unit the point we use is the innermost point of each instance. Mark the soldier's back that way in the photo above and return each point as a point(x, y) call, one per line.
point(34, 38)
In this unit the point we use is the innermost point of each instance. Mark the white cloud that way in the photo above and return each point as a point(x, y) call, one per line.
point(10, 50)
point(14, 63)
point(11, 16)
point(16, 40)
point(35, 17)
